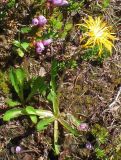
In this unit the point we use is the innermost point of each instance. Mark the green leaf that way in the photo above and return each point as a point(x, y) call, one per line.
point(68, 26)
point(20, 74)
point(16, 43)
point(24, 45)
point(20, 52)
point(68, 127)
point(42, 124)
point(14, 80)
point(99, 153)
point(57, 24)
point(54, 99)
point(37, 85)
point(25, 30)
point(73, 120)
point(64, 34)
point(12, 113)
point(12, 103)
point(11, 3)
point(17, 78)
point(33, 118)
point(106, 3)
point(30, 110)
point(44, 113)
point(51, 96)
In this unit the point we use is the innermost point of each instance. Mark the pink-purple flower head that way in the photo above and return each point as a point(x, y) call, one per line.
point(42, 20)
point(83, 127)
point(40, 45)
point(39, 21)
point(35, 22)
point(39, 50)
point(47, 42)
point(59, 2)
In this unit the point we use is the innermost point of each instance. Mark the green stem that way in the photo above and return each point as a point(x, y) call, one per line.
point(56, 146)
point(56, 106)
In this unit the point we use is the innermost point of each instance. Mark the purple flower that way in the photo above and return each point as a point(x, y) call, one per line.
point(35, 22)
point(39, 47)
point(39, 50)
point(47, 42)
point(89, 145)
point(18, 149)
point(59, 2)
point(39, 44)
point(64, 3)
point(42, 20)
point(83, 127)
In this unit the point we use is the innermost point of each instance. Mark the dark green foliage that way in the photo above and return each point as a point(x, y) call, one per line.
point(68, 64)
point(92, 53)
point(105, 3)
point(100, 133)
point(22, 85)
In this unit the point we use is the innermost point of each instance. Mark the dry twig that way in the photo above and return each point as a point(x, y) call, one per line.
point(116, 100)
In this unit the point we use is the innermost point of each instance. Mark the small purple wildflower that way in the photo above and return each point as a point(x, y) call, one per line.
point(35, 22)
point(39, 47)
point(64, 3)
point(89, 145)
point(47, 42)
point(42, 20)
point(39, 50)
point(83, 127)
point(18, 149)
point(59, 2)
point(39, 44)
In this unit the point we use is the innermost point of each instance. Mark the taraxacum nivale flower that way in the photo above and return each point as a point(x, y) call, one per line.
point(98, 33)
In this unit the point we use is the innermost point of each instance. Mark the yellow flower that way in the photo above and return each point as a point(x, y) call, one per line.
point(98, 34)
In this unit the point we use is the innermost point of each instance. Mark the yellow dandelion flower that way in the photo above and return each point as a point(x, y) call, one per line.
point(98, 33)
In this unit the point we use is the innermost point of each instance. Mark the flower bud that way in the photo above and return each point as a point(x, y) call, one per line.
point(42, 20)
point(83, 127)
point(47, 42)
point(35, 22)
point(18, 149)
point(89, 145)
